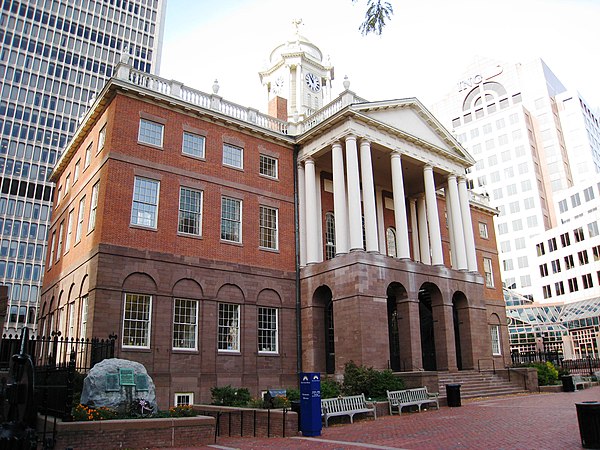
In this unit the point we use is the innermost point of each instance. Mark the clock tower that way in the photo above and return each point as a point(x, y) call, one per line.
point(297, 73)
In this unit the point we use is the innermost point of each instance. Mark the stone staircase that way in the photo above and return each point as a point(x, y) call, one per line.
point(477, 384)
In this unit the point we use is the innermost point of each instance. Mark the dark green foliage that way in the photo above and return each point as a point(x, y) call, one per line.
point(330, 388)
point(366, 380)
point(547, 373)
point(228, 396)
point(293, 394)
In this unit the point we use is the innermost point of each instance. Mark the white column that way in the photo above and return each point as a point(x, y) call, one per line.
point(312, 240)
point(299, 82)
point(380, 221)
point(354, 206)
point(467, 224)
point(339, 199)
point(400, 206)
point(320, 247)
point(423, 231)
point(433, 217)
point(368, 195)
point(302, 213)
point(457, 224)
point(451, 230)
point(415, 229)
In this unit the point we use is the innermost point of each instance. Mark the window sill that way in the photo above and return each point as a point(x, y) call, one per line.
point(229, 352)
point(237, 244)
point(268, 354)
point(126, 348)
point(147, 144)
point(270, 250)
point(239, 169)
point(191, 236)
point(185, 351)
point(197, 158)
point(142, 227)
point(262, 175)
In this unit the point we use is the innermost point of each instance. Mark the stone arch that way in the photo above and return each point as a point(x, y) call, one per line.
point(463, 335)
point(323, 330)
point(187, 288)
point(495, 327)
point(84, 287)
point(139, 282)
point(395, 292)
point(231, 292)
point(430, 302)
point(269, 297)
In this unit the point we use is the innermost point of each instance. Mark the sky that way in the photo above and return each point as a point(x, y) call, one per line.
point(423, 51)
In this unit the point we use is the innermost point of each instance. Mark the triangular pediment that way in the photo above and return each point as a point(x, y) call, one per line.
point(411, 117)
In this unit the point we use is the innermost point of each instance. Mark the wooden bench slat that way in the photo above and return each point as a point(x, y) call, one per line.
point(409, 397)
point(345, 406)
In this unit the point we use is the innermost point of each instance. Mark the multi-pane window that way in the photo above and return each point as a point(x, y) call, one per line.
point(540, 249)
point(543, 270)
point(228, 334)
point(552, 244)
point(268, 166)
point(267, 330)
point(93, 207)
point(151, 133)
point(193, 145)
point(575, 200)
point(52, 244)
point(495, 332)
point(547, 291)
point(231, 219)
point(67, 184)
point(69, 230)
point(144, 211)
point(596, 252)
point(578, 233)
point(59, 247)
point(483, 230)
point(77, 171)
point(184, 398)
point(233, 156)
point(487, 269)
point(569, 262)
point(573, 285)
point(565, 240)
point(588, 193)
point(390, 236)
point(80, 213)
point(88, 156)
point(562, 206)
point(555, 266)
point(593, 229)
point(185, 324)
point(583, 257)
point(587, 281)
point(559, 287)
point(101, 138)
point(83, 315)
point(329, 236)
point(136, 320)
point(190, 211)
point(268, 228)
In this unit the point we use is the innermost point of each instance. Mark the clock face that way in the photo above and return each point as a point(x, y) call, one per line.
point(277, 85)
point(313, 82)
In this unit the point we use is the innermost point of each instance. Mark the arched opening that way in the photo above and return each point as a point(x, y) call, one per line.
point(463, 341)
point(395, 293)
point(456, 321)
point(428, 354)
point(324, 298)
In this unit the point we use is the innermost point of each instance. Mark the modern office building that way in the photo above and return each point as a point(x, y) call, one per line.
point(55, 57)
point(568, 256)
point(225, 246)
point(532, 139)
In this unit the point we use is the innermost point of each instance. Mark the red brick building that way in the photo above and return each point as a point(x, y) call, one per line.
point(223, 246)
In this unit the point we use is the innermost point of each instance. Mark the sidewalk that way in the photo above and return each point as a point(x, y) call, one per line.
point(534, 421)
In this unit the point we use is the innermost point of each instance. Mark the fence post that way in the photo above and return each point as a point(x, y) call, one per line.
point(589, 358)
point(70, 379)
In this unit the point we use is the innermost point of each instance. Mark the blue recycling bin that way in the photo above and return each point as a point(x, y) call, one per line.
point(310, 404)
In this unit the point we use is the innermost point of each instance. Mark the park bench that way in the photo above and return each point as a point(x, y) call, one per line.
point(346, 406)
point(409, 397)
point(584, 382)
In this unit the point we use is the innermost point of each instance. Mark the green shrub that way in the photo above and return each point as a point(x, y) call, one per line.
point(371, 382)
point(330, 388)
point(293, 394)
point(228, 396)
point(547, 373)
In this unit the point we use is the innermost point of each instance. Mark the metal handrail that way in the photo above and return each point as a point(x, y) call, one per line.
point(486, 359)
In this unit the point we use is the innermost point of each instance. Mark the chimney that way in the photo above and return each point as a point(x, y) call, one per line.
point(278, 108)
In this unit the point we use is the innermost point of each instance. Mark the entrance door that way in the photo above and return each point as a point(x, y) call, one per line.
point(427, 336)
point(457, 336)
point(329, 338)
point(393, 334)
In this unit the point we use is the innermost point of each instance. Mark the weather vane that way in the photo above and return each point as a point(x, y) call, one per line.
point(297, 23)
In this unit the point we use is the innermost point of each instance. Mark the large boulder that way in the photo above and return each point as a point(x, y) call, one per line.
point(102, 386)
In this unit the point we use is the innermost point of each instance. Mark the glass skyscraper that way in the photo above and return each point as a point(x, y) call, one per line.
point(55, 56)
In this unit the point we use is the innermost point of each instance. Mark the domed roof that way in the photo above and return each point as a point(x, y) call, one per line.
point(296, 44)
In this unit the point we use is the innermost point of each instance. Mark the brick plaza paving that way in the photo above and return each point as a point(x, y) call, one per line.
point(532, 421)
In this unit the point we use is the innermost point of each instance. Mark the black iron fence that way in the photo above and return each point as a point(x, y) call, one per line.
point(583, 366)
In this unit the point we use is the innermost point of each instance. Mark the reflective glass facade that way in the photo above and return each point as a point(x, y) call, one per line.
point(55, 56)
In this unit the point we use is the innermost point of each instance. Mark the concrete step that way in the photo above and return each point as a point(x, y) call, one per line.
point(477, 384)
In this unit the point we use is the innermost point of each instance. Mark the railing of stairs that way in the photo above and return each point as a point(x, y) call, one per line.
point(486, 359)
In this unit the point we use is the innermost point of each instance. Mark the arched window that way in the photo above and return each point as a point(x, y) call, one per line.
point(390, 235)
point(329, 236)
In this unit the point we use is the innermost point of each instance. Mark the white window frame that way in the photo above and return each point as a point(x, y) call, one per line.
point(268, 336)
point(228, 328)
point(80, 215)
point(138, 202)
point(268, 230)
point(83, 315)
point(185, 331)
point(101, 139)
point(151, 133)
point(69, 231)
point(52, 251)
point(141, 324)
point(93, 207)
point(329, 235)
point(234, 220)
point(88, 156)
point(77, 171)
point(179, 397)
point(495, 333)
point(59, 246)
point(391, 242)
point(185, 215)
point(483, 230)
point(196, 147)
point(488, 272)
point(229, 159)
point(265, 163)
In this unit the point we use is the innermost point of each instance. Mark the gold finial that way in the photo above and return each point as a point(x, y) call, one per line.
point(297, 23)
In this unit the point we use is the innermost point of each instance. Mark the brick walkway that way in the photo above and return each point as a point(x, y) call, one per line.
point(534, 421)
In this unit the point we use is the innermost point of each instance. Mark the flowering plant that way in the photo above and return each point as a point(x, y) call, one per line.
point(140, 407)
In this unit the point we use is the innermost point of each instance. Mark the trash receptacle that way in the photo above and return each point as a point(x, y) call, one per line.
point(567, 383)
point(588, 416)
point(295, 406)
point(453, 395)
